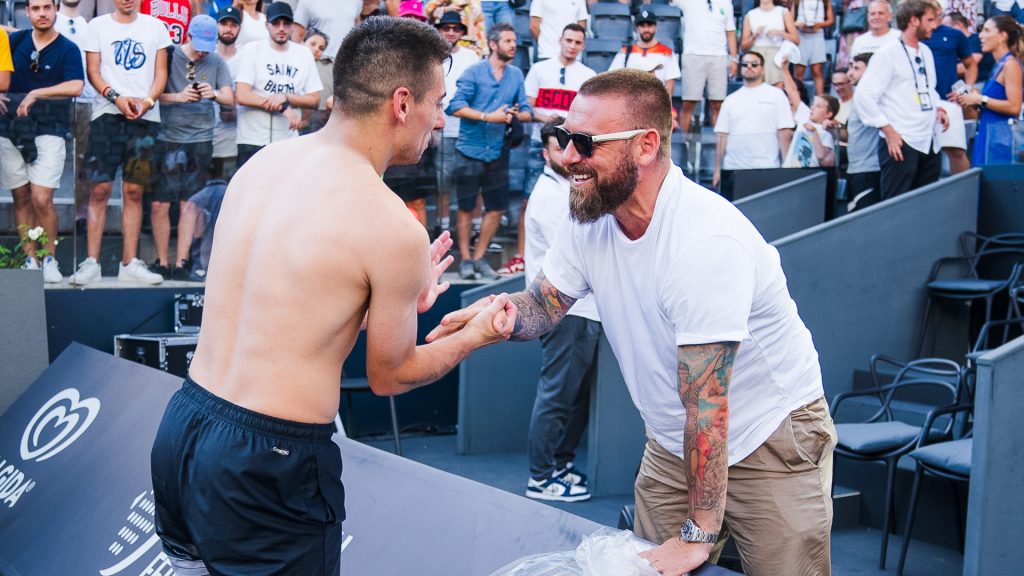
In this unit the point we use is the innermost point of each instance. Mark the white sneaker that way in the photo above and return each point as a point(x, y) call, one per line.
point(137, 272)
point(556, 489)
point(30, 264)
point(51, 271)
point(87, 273)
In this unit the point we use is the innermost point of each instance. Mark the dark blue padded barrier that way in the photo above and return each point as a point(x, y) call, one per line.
point(23, 352)
point(858, 280)
point(787, 208)
point(996, 499)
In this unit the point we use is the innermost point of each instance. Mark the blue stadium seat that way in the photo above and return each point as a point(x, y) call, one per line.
point(611, 21)
point(670, 24)
point(599, 53)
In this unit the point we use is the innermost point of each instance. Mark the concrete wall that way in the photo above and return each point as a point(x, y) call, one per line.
point(23, 349)
point(788, 208)
point(996, 501)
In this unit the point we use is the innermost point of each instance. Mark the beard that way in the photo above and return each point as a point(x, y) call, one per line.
point(226, 39)
point(560, 170)
point(647, 36)
point(607, 194)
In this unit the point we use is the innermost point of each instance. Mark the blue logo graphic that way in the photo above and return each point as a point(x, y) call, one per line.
point(129, 54)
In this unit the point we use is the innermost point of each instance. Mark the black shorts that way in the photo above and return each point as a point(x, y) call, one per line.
point(115, 141)
point(473, 177)
point(246, 493)
point(183, 170)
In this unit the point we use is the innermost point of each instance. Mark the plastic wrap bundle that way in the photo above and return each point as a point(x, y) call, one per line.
point(606, 552)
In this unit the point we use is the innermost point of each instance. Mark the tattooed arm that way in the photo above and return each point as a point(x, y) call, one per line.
point(705, 371)
point(540, 307)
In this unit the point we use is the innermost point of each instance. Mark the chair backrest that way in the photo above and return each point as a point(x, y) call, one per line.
point(611, 21)
point(992, 256)
point(670, 24)
point(931, 381)
point(600, 52)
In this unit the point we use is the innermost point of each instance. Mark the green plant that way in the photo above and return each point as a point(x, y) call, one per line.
point(15, 257)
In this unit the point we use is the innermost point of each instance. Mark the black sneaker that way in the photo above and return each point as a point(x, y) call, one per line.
point(182, 272)
point(164, 271)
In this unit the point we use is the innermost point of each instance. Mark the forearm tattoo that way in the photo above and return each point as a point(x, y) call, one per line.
point(540, 307)
point(704, 374)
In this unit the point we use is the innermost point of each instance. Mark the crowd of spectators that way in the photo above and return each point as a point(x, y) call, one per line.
point(172, 96)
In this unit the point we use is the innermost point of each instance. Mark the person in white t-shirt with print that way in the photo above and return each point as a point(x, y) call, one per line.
point(880, 32)
point(127, 65)
point(755, 125)
point(275, 77)
point(695, 306)
point(547, 20)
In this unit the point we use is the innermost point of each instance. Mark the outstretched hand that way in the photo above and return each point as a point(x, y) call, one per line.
point(496, 321)
point(457, 320)
point(438, 264)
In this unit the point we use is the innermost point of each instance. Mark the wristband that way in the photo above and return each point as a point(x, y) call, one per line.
point(149, 101)
point(111, 95)
point(483, 117)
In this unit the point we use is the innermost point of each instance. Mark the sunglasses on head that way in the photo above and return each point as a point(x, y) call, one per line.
point(584, 143)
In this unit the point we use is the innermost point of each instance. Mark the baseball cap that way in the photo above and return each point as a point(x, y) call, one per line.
point(412, 8)
point(229, 13)
point(279, 10)
point(451, 18)
point(645, 17)
point(203, 33)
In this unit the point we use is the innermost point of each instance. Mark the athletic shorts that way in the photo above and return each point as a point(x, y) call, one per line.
point(183, 170)
point(473, 177)
point(812, 48)
point(956, 135)
point(246, 493)
point(700, 70)
point(115, 141)
point(45, 170)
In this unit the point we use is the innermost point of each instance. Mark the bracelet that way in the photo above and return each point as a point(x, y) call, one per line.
point(483, 117)
point(111, 95)
point(149, 101)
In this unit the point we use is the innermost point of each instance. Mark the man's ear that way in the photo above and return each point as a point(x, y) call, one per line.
point(650, 147)
point(401, 101)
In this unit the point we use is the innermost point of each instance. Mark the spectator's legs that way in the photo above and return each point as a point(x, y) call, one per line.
point(131, 220)
point(818, 77)
point(463, 229)
point(929, 168)
point(800, 72)
point(186, 230)
point(81, 143)
point(716, 107)
point(45, 214)
point(160, 215)
point(686, 115)
point(492, 219)
point(494, 188)
point(98, 199)
point(897, 176)
point(24, 215)
point(958, 161)
point(497, 12)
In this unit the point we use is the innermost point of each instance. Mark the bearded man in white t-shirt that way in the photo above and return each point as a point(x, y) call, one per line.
point(695, 306)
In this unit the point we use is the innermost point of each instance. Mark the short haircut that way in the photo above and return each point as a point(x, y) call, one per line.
point(842, 70)
point(863, 57)
point(758, 55)
point(959, 19)
point(832, 102)
point(381, 55)
point(649, 104)
point(547, 132)
point(494, 34)
point(909, 9)
point(312, 31)
point(574, 27)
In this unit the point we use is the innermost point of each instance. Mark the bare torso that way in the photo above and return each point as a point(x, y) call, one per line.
point(288, 284)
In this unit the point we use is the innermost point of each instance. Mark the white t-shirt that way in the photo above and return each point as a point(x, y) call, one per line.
point(811, 12)
point(64, 25)
point(555, 15)
point(227, 131)
point(252, 29)
point(752, 117)
point(773, 19)
point(659, 58)
point(269, 72)
point(544, 84)
point(333, 17)
point(546, 214)
point(868, 42)
point(127, 58)
point(704, 29)
point(700, 274)
point(462, 59)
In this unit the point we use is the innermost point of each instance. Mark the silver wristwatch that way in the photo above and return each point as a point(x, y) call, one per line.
point(691, 533)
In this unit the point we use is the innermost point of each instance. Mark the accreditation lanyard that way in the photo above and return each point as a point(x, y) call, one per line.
point(922, 97)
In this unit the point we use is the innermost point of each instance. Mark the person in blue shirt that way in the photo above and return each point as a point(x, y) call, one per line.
point(489, 97)
point(949, 48)
point(47, 75)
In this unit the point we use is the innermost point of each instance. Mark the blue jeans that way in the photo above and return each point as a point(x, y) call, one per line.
point(497, 12)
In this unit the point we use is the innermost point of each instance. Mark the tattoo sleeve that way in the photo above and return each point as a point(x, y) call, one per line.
point(540, 307)
point(704, 374)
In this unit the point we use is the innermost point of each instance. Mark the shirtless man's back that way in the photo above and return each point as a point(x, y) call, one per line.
point(245, 476)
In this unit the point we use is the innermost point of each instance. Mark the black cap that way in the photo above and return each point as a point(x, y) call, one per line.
point(452, 17)
point(279, 10)
point(645, 17)
point(229, 13)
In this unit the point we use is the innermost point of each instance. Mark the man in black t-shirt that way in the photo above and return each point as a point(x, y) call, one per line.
point(47, 75)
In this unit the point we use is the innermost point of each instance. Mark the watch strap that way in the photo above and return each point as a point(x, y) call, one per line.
point(690, 532)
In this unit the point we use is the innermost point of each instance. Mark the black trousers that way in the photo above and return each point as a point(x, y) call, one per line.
point(917, 169)
point(861, 182)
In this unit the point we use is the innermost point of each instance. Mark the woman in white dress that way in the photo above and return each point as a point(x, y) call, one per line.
point(765, 28)
point(254, 22)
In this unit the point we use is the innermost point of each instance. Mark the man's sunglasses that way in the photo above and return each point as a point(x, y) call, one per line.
point(584, 143)
point(750, 64)
point(35, 61)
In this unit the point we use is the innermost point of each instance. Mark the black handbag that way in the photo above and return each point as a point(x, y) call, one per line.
point(855, 20)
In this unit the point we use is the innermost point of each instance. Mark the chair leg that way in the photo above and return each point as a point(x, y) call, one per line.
point(394, 426)
point(890, 488)
point(924, 326)
point(961, 536)
point(918, 474)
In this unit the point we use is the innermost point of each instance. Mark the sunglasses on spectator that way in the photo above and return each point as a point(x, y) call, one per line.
point(190, 71)
point(561, 76)
point(750, 64)
point(710, 9)
point(920, 66)
point(584, 143)
point(35, 61)
point(450, 28)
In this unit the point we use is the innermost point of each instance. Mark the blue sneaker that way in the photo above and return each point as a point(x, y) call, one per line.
point(573, 474)
point(556, 489)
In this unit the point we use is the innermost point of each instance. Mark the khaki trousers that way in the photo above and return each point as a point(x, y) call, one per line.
point(778, 501)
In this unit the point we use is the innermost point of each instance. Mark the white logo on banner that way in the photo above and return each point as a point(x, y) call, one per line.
point(137, 539)
point(62, 419)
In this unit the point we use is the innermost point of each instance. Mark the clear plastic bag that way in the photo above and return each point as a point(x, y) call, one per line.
point(606, 552)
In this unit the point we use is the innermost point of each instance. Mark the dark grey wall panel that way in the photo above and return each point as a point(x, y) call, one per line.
point(858, 280)
point(1002, 199)
point(23, 348)
point(788, 208)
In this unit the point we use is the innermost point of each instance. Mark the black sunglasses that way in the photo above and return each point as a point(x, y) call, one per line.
point(190, 71)
point(35, 61)
point(584, 143)
point(561, 76)
point(920, 66)
point(710, 9)
point(750, 64)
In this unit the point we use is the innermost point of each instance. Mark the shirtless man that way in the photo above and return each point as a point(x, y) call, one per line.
point(245, 476)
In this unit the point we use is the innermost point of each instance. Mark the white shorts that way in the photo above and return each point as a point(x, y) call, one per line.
point(956, 135)
point(812, 48)
point(46, 170)
point(699, 70)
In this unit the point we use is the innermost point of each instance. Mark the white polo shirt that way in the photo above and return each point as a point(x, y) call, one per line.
point(868, 42)
point(700, 274)
point(704, 32)
point(752, 117)
point(554, 16)
point(544, 83)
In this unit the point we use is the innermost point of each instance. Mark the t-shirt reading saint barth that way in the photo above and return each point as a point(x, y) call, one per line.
point(269, 72)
